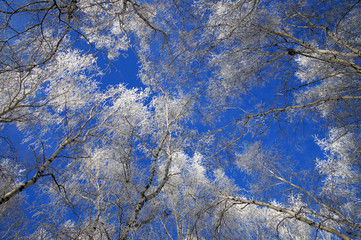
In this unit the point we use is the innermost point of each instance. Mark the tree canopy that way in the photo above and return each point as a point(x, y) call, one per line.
point(245, 122)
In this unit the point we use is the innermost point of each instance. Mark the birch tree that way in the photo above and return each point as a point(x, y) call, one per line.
point(165, 161)
point(303, 56)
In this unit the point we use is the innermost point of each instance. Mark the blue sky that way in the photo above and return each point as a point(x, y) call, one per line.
point(123, 70)
point(294, 139)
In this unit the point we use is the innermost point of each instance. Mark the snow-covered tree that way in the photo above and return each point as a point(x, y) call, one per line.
point(258, 64)
point(187, 155)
